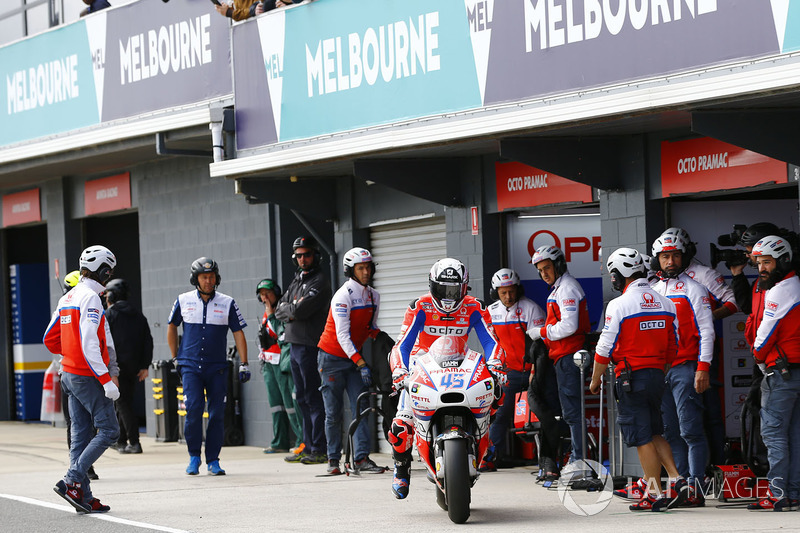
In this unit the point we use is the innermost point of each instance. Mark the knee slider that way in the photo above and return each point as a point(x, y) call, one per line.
point(401, 436)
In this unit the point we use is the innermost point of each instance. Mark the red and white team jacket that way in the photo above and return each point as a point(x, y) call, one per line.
point(79, 332)
point(511, 324)
point(640, 330)
point(714, 282)
point(351, 319)
point(567, 320)
point(779, 332)
point(423, 324)
point(695, 322)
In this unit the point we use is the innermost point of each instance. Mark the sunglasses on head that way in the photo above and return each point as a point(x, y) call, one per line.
point(303, 254)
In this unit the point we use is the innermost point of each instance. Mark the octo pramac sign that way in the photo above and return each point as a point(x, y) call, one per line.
point(520, 185)
point(706, 164)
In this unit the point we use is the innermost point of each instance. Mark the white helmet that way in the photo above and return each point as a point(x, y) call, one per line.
point(552, 253)
point(448, 282)
point(776, 247)
point(690, 249)
point(504, 277)
point(354, 256)
point(624, 263)
point(668, 243)
point(100, 260)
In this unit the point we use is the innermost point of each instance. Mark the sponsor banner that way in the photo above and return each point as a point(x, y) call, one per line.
point(21, 208)
point(334, 66)
point(47, 84)
point(519, 185)
point(107, 194)
point(540, 47)
point(577, 237)
point(115, 64)
point(177, 57)
point(707, 164)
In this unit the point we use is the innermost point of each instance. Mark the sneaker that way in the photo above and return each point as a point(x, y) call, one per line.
point(764, 504)
point(275, 450)
point(333, 467)
point(368, 465)
point(694, 498)
point(679, 494)
point(634, 490)
point(214, 469)
point(786, 504)
point(96, 507)
point(314, 459)
point(91, 474)
point(73, 493)
point(650, 503)
point(298, 449)
point(194, 465)
point(401, 480)
point(118, 446)
point(131, 448)
point(295, 457)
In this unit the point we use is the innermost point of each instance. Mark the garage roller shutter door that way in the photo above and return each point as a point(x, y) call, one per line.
point(404, 254)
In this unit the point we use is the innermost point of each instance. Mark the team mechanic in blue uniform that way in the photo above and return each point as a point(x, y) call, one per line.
point(206, 316)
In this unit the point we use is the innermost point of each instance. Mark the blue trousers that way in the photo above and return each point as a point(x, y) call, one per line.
point(309, 398)
point(201, 386)
point(682, 410)
point(780, 429)
point(340, 375)
point(569, 392)
point(89, 408)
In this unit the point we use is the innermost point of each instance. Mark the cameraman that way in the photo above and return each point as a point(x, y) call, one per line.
point(745, 292)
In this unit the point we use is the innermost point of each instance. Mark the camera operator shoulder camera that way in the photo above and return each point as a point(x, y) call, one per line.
point(747, 237)
point(737, 259)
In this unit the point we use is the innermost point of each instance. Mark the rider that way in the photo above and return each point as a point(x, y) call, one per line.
point(446, 310)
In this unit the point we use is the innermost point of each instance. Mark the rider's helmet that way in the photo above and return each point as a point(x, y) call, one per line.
point(202, 265)
point(448, 283)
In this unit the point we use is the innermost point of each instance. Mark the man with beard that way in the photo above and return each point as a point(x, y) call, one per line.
point(777, 352)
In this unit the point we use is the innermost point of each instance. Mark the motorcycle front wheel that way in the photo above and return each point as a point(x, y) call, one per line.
point(456, 480)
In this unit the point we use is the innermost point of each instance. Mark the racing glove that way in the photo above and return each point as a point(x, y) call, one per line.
point(111, 391)
point(244, 373)
point(366, 375)
point(399, 377)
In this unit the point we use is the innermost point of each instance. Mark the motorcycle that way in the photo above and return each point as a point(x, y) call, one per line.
point(451, 393)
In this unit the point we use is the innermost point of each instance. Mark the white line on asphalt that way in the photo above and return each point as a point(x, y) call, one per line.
point(105, 517)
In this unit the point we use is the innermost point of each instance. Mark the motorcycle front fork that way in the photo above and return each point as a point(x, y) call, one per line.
point(471, 457)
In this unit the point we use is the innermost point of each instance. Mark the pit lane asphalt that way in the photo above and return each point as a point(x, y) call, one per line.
point(150, 492)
